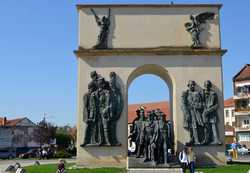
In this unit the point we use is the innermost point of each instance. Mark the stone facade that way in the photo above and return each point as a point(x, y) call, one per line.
point(149, 39)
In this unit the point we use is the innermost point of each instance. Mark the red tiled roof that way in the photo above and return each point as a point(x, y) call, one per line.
point(229, 102)
point(163, 106)
point(13, 122)
point(243, 74)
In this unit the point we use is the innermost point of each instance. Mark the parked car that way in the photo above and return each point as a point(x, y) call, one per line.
point(29, 154)
point(242, 150)
point(7, 154)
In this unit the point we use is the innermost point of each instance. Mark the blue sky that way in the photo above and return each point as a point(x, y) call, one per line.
point(38, 71)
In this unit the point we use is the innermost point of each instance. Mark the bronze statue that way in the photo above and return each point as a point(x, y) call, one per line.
point(140, 134)
point(103, 105)
point(200, 114)
point(148, 139)
point(88, 117)
point(104, 25)
point(152, 136)
point(209, 115)
point(116, 107)
point(194, 27)
point(164, 138)
point(192, 109)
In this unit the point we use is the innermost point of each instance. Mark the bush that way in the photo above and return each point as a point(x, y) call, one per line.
point(72, 151)
point(62, 154)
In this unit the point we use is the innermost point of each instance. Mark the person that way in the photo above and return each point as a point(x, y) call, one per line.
point(61, 167)
point(234, 147)
point(191, 159)
point(44, 154)
point(184, 159)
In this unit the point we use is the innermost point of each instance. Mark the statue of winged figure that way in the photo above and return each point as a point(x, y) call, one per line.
point(194, 27)
point(104, 24)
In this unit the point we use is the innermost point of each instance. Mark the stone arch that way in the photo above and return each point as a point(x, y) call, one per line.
point(163, 73)
point(155, 70)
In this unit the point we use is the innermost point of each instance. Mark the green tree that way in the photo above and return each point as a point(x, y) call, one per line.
point(63, 140)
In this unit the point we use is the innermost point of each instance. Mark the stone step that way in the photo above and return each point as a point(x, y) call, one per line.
point(170, 170)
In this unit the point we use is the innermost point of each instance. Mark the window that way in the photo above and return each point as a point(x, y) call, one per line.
point(227, 113)
point(246, 122)
point(244, 137)
point(233, 113)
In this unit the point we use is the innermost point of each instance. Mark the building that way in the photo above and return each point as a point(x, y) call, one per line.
point(17, 134)
point(241, 86)
point(229, 115)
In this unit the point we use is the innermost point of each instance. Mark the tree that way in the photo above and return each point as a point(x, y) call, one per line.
point(44, 133)
point(73, 134)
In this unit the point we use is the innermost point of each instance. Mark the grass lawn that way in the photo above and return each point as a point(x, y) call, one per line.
point(226, 169)
point(52, 169)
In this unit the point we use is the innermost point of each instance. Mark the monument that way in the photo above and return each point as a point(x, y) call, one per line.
point(179, 43)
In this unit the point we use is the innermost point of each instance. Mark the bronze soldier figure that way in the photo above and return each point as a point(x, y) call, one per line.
point(209, 115)
point(103, 97)
point(192, 106)
point(88, 116)
point(163, 138)
point(116, 107)
point(140, 137)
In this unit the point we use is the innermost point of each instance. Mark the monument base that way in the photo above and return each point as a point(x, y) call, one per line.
point(210, 155)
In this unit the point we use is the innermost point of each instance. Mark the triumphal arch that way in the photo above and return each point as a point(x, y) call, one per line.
point(181, 44)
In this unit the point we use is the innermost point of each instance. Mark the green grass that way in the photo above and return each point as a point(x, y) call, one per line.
point(51, 168)
point(227, 169)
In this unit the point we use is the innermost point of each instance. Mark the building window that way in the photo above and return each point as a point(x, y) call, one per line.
point(233, 113)
point(227, 113)
point(233, 124)
point(246, 122)
point(244, 137)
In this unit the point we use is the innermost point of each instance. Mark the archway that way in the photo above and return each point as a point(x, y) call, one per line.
point(150, 75)
point(158, 71)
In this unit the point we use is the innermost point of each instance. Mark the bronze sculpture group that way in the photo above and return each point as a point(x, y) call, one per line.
point(200, 114)
point(103, 104)
point(152, 135)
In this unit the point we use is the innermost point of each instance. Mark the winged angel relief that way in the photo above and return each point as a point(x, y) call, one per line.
point(195, 26)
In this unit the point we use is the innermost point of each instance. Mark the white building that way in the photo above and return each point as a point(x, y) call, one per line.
point(17, 134)
point(229, 115)
point(241, 83)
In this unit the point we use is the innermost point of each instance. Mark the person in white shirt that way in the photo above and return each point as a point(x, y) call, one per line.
point(183, 158)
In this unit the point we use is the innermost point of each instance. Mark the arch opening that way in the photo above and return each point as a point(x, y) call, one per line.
point(144, 80)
